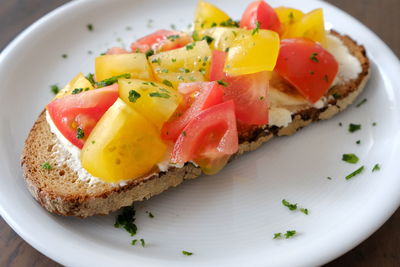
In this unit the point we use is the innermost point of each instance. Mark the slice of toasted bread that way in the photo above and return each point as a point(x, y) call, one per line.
point(59, 189)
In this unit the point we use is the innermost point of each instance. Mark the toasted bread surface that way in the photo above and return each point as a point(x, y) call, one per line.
point(59, 190)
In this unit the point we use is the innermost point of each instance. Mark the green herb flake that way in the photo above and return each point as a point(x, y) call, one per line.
point(261, 98)
point(149, 53)
point(89, 27)
point(93, 142)
point(350, 158)
point(336, 95)
point(47, 166)
point(185, 70)
point(183, 133)
point(142, 242)
point(290, 233)
point(224, 84)
point(358, 142)
point(172, 38)
point(312, 72)
point(376, 167)
point(356, 172)
point(167, 83)
point(77, 91)
point(133, 243)
point(305, 211)
point(79, 133)
point(361, 102)
point(291, 16)
point(314, 58)
point(340, 124)
point(112, 80)
point(150, 214)
point(289, 205)
point(374, 124)
point(158, 94)
point(325, 78)
point(172, 26)
point(126, 220)
point(229, 23)
point(277, 235)
point(354, 127)
point(173, 59)
point(64, 56)
point(187, 253)
point(209, 39)
point(133, 96)
point(55, 89)
point(150, 23)
point(190, 46)
point(256, 29)
point(227, 50)
point(329, 178)
point(90, 78)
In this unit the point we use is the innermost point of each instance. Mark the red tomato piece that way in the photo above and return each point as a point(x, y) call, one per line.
point(199, 96)
point(76, 115)
point(161, 40)
point(307, 66)
point(261, 12)
point(116, 51)
point(249, 92)
point(209, 138)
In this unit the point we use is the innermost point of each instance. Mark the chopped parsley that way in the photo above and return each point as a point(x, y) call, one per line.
point(79, 133)
point(172, 38)
point(358, 142)
point(340, 124)
point(167, 83)
point(354, 127)
point(149, 53)
point(185, 70)
point(150, 214)
point(262, 98)
point(183, 133)
point(142, 242)
point(325, 78)
point(173, 26)
point(112, 80)
point(224, 84)
point(312, 72)
point(358, 171)
point(156, 60)
point(256, 29)
point(374, 124)
point(291, 16)
point(173, 59)
point(287, 235)
point(290, 206)
point(314, 58)
point(133, 96)
point(78, 90)
point(305, 211)
point(229, 23)
point(376, 167)
point(133, 243)
point(190, 46)
point(89, 27)
point(336, 95)
point(209, 39)
point(55, 89)
point(361, 102)
point(329, 178)
point(158, 94)
point(227, 50)
point(350, 158)
point(47, 166)
point(187, 253)
point(126, 220)
point(64, 55)
point(90, 78)
point(277, 235)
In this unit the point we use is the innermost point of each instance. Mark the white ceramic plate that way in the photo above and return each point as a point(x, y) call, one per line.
point(227, 219)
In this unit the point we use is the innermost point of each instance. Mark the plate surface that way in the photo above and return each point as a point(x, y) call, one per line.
point(228, 219)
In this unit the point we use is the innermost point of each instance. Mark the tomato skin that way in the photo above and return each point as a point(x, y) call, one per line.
point(307, 66)
point(260, 11)
point(82, 111)
point(202, 96)
point(249, 92)
point(159, 41)
point(210, 137)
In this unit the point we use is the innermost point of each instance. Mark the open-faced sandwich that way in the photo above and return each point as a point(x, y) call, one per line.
point(179, 104)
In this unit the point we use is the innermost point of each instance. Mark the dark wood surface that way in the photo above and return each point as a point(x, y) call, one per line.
point(381, 249)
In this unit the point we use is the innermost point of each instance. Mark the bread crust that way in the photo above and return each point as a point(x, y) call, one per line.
point(60, 191)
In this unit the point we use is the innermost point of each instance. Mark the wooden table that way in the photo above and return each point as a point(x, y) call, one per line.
point(381, 249)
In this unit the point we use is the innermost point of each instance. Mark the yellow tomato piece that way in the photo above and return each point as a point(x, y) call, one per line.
point(288, 16)
point(207, 15)
point(193, 60)
point(135, 64)
point(310, 26)
point(223, 36)
point(252, 52)
point(123, 145)
point(157, 102)
point(79, 81)
point(175, 78)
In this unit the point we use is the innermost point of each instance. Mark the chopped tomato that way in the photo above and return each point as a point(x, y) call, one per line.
point(262, 13)
point(209, 139)
point(249, 92)
point(116, 51)
point(208, 15)
point(307, 66)
point(76, 115)
point(161, 40)
point(200, 96)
